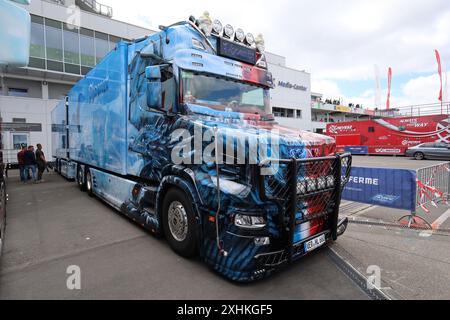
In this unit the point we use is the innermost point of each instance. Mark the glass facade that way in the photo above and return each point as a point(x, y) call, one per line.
point(58, 46)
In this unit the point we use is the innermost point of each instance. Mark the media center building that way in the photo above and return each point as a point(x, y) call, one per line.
point(60, 55)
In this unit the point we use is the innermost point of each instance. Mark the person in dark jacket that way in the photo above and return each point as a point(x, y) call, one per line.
point(41, 162)
point(21, 161)
point(30, 162)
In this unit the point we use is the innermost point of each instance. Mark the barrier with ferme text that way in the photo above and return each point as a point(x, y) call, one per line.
point(393, 188)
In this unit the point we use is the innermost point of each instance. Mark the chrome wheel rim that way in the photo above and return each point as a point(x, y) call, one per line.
point(80, 177)
point(178, 221)
point(88, 182)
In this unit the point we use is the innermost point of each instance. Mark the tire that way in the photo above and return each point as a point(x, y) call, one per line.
point(89, 185)
point(419, 156)
point(80, 179)
point(179, 223)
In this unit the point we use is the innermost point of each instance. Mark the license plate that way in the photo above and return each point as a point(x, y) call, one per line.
point(315, 243)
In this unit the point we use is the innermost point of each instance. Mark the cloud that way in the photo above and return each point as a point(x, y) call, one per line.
point(333, 40)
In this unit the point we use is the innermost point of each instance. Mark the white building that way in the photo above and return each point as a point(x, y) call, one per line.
point(291, 98)
point(60, 55)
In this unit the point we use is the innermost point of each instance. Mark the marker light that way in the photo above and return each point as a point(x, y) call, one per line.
point(228, 31)
point(249, 39)
point(205, 24)
point(240, 35)
point(217, 27)
point(260, 45)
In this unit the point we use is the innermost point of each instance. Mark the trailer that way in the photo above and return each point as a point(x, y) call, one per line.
point(174, 131)
point(389, 135)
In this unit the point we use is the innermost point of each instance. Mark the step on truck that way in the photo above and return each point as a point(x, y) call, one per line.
point(174, 130)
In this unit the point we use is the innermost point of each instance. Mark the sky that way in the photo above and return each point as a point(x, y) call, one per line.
point(338, 41)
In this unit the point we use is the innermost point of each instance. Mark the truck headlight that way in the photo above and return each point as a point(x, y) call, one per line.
point(249, 222)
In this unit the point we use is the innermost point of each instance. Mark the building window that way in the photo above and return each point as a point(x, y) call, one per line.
point(299, 114)
point(113, 41)
point(19, 120)
point(54, 42)
point(87, 47)
point(284, 113)
point(101, 46)
point(37, 45)
point(71, 45)
point(16, 92)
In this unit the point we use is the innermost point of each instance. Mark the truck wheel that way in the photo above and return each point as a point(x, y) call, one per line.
point(80, 179)
point(179, 223)
point(419, 156)
point(89, 188)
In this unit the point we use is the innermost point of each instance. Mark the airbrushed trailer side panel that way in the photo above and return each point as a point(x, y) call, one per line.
point(97, 114)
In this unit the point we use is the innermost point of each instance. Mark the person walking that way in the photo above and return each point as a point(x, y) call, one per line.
point(41, 162)
point(21, 161)
point(30, 163)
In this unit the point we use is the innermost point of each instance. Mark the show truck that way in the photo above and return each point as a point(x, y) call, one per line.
point(389, 135)
point(149, 131)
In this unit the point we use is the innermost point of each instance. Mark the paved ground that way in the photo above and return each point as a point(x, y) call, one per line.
point(392, 162)
point(414, 264)
point(53, 226)
point(58, 226)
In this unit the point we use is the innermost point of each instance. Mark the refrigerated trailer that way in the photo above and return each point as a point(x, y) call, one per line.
point(389, 135)
point(149, 131)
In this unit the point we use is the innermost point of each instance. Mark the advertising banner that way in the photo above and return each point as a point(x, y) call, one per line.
point(393, 188)
point(357, 150)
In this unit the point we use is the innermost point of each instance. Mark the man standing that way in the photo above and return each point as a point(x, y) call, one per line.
point(21, 161)
point(41, 162)
point(30, 162)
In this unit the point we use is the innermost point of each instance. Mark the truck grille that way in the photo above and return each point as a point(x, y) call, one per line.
point(307, 190)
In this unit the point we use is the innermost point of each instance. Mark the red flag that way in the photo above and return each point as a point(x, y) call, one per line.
point(438, 58)
point(388, 102)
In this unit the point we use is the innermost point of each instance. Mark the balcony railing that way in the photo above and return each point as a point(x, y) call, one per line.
point(96, 7)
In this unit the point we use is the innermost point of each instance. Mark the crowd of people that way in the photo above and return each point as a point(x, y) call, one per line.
point(32, 164)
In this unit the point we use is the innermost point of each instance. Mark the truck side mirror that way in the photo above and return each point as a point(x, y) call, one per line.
point(154, 88)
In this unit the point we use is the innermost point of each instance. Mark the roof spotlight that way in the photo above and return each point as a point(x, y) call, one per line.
point(228, 31)
point(217, 27)
point(240, 35)
point(249, 39)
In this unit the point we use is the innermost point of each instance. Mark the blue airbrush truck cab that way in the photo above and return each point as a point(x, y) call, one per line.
point(174, 131)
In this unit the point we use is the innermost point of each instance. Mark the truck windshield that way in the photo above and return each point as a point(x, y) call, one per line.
point(224, 94)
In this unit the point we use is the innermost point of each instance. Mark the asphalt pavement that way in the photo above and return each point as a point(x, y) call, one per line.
point(53, 226)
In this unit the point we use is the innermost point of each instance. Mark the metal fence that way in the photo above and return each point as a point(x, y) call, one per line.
point(9, 156)
point(433, 186)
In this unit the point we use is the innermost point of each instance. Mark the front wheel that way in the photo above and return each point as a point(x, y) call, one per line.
point(419, 156)
point(179, 223)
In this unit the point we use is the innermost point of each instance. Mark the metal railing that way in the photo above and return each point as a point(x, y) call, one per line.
point(433, 186)
point(97, 7)
point(9, 156)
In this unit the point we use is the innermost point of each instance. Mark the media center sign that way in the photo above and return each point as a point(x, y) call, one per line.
point(289, 85)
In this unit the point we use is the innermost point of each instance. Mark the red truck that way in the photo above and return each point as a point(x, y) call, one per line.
point(389, 136)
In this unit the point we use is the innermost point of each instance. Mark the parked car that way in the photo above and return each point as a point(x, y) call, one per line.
point(430, 151)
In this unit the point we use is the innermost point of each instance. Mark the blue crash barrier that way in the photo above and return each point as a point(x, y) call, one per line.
point(393, 188)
